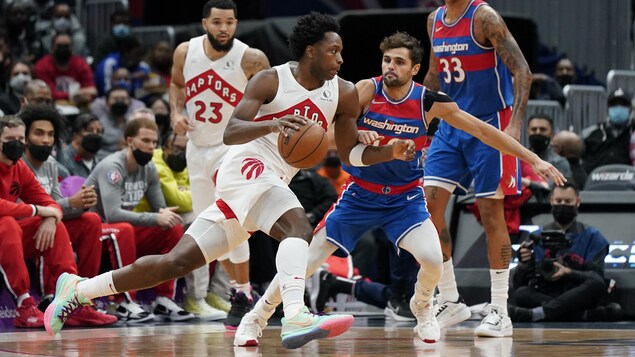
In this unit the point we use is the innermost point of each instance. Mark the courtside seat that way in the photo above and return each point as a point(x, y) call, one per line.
point(611, 178)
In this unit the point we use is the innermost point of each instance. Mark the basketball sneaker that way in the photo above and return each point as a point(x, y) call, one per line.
point(217, 302)
point(67, 300)
point(167, 310)
point(88, 316)
point(28, 315)
point(249, 330)
point(495, 324)
point(449, 313)
point(305, 327)
point(398, 308)
point(427, 327)
point(202, 310)
point(133, 313)
point(241, 304)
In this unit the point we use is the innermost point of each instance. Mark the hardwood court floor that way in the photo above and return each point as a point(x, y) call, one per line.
point(386, 339)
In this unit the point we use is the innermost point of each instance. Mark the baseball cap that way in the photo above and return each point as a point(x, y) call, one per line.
point(619, 96)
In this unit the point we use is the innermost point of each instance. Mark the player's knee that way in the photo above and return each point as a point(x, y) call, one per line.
point(176, 266)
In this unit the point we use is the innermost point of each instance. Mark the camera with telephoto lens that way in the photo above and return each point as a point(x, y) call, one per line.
point(554, 241)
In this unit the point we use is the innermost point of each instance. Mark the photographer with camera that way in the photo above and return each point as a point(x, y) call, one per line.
point(560, 276)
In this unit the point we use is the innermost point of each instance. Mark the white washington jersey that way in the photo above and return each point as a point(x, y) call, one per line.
point(319, 105)
point(212, 90)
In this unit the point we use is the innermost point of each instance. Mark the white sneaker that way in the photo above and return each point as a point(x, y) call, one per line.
point(168, 310)
point(449, 313)
point(202, 310)
point(495, 324)
point(133, 313)
point(249, 330)
point(427, 327)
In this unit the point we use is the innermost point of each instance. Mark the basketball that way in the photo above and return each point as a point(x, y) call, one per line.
point(306, 147)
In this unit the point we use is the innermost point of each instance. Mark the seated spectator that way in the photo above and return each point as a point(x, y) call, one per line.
point(565, 72)
point(543, 87)
point(121, 181)
point(332, 170)
point(161, 110)
point(159, 59)
point(607, 142)
point(37, 92)
point(563, 282)
point(540, 130)
point(62, 20)
point(24, 42)
point(69, 76)
point(80, 156)
point(119, 28)
point(569, 145)
point(32, 228)
point(129, 56)
point(113, 111)
point(20, 73)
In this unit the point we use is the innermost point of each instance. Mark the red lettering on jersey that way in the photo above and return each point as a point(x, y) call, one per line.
point(212, 81)
point(305, 108)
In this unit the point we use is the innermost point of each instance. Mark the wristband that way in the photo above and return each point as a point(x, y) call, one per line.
point(35, 210)
point(355, 156)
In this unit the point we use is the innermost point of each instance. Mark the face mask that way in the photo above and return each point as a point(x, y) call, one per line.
point(564, 214)
point(17, 83)
point(119, 109)
point(61, 24)
point(62, 53)
point(40, 152)
point(141, 157)
point(565, 79)
point(120, 30)
point(13, 150)
point(162, 120)
point(538, 143)
point(92, 143)
point(618, 114)
point(177, 163)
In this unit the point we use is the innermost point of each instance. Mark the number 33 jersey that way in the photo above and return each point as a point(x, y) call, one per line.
point(212, 90)
point(471, 74)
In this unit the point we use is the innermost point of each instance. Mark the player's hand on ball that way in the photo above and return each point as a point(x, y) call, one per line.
point(288, 124)
point(181, 124)
point(403, 150)
point(547, 170)
point(368, 137)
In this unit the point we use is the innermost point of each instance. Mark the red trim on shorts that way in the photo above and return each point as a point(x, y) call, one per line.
point(229, 214)
point(385, 190)
point(508, 182)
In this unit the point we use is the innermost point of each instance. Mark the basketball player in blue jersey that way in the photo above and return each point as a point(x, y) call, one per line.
point(473, 57)
point(388, 195)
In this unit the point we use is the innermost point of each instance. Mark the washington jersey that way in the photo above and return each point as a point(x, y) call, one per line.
point(319, 105)
point(470, 73)
point(394, 120)
point(212, 90)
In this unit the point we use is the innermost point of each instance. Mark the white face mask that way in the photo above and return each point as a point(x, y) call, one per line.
point(17, 83)
point(61, 24)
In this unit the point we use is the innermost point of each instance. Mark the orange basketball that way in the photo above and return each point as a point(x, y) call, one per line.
point(306, 147)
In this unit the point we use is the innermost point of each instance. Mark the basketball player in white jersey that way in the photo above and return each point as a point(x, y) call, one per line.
point(209, 76)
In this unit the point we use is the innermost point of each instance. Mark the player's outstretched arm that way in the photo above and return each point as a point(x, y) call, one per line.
point(450, 112)
point(431, 79)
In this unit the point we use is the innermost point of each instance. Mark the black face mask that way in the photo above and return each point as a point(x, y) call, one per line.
point(162, 120)
point(141, 157)
point(13, 150)
point(564, 214)
point(119, 109)
point(539, 143)
point(92, 143)
point(565, 79)
point(40, 152)
point(62, 53)
point(177, 163)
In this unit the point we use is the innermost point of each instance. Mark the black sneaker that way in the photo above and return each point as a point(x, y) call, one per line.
point(241, 304)
point(321, 290)
point(519, 314)
point(398, 308)
point(610, 312)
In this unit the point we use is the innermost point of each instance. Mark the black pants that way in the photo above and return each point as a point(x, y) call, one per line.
point(563, 306)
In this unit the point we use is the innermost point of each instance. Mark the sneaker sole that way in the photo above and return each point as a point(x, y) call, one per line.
point(231, 328)
point(388, 312)
point(329, 328)
point(489, 333)
point(458, 317)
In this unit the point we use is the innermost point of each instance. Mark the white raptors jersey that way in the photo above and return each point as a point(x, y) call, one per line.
point(212, 90)
point(319, 105)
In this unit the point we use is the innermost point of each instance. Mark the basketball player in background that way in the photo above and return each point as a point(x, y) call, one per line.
point(473, 57)
point(209, 76)
point(252, 184)
point(389, 194)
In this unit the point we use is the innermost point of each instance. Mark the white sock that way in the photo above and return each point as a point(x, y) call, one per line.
point(101, 285)
point(232, 283)
point(22, 297)
point(500, 286)
point(291, 262)
point(244, 288)
point(447, 283)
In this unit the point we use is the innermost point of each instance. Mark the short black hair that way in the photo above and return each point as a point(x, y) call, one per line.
point(82, 121)
point(34, 112)
point(119, 12)
point(570, 183)
point(309, 30)
point(115, 88)
point(219, 4)
point(401, 39)
point(542, 116)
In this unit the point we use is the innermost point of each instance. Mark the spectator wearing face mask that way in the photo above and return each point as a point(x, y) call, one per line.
point(62, 20)
point(119, 28)
point(68, 75)
point(80, 156)
point(161, 110)
point(608, 142)
point(19, 75)
point(540, 130)
point(113, 113)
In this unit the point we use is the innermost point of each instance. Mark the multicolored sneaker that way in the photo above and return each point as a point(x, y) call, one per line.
point(241, 304)
point(67, 300)
point(305, 327)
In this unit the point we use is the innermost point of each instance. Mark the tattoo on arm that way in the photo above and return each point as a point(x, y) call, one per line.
point(506, 254)
point(433, 192)
point(431, 79)
point(492, 28)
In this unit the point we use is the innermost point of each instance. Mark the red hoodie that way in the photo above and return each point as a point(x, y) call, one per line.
point(18, 181)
